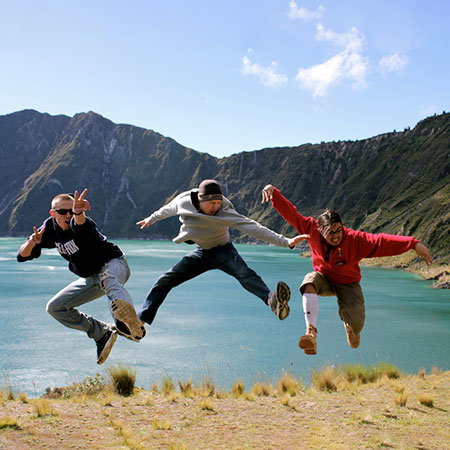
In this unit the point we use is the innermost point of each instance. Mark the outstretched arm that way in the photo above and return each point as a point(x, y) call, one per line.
point(168, 210)
point(295, 240)
point(424, 253)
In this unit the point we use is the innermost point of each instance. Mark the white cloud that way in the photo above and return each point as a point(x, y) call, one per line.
point(268, 76)
point(392, 63)
point(302, 13)
point(351, 42)
point(348, 64)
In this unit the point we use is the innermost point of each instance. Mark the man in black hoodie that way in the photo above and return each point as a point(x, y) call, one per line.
point(101, 266)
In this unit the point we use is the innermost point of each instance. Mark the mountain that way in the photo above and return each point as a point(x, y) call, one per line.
point(396, 182)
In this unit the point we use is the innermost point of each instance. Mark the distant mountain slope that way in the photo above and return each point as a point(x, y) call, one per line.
point(395, 182)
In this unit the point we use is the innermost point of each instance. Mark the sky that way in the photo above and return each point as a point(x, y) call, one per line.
point(227, 76)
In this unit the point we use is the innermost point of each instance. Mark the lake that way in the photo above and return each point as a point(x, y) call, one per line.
point(210, 326)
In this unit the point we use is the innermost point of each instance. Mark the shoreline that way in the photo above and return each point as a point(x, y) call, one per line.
point(439, 273)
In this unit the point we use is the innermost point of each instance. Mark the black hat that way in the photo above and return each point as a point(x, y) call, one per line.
point(209, 190)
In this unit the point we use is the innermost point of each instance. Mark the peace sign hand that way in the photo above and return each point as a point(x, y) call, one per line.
point(36, 237)
point(79, 203)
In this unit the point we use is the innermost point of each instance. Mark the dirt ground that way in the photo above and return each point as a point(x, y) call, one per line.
point(366, 416)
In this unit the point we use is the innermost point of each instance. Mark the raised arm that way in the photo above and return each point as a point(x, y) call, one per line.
point(80, 206)
point(304, 225)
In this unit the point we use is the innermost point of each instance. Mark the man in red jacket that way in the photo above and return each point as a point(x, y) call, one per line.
point(336, 253)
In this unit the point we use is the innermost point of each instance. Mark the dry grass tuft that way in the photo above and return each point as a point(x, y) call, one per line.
point(399, 388)
point(238, 389)
point(426, 400)
point(43, 407)
point(8, 422)
point(325, 380)
point(161, 424)
point(122, 379)
point(289, 385)
point(401, 399)
point(206, 405)
point(126, 434)
point(167, 386)
point(262, 389)
point(186, 388)
point(207, 387)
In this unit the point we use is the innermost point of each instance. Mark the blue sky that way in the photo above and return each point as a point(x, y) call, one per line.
point(224, 77)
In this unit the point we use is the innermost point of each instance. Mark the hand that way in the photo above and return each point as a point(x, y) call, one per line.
point(143, 223)
point(267, 193)
point(295, 240)
point(423, 252)
point(36, 237)
point(79, 203)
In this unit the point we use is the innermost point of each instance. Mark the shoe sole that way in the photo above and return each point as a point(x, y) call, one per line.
point(107, 349)
point(307, 346)
point(125, 312)
point(283, 295)
point(128, 336)
point(350, 337)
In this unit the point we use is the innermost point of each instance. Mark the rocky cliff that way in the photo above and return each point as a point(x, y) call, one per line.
point(396, 182)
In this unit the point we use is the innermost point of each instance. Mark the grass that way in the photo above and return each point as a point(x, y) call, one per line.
point(167, 386)
point(8, 422)
point(368, 406)
point(426, 400)
point(122, 379)
point(289, 385)
point(332, 379)
point(43, 407)
point(238, 389)
point(401, 399)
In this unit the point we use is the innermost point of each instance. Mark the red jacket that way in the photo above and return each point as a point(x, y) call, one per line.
point(342, 266)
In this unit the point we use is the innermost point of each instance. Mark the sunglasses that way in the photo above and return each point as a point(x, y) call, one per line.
point(63, 211)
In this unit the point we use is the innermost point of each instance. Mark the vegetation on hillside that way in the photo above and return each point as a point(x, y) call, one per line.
point(396, 182)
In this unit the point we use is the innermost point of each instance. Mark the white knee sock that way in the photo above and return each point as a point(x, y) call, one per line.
point(311, 308)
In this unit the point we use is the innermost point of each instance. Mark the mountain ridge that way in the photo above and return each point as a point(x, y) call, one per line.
point(396, 182)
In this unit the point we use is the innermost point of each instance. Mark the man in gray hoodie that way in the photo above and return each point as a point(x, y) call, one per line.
point(206, 216)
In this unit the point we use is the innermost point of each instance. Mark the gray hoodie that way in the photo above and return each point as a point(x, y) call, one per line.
point(211, 231)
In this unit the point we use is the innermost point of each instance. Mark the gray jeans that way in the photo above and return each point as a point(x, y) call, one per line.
point(109, 281)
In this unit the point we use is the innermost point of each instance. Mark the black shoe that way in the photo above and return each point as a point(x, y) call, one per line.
point(124, 331)
point(104, 345)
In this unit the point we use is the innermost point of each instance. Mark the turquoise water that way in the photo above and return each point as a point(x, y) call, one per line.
point(210, 326)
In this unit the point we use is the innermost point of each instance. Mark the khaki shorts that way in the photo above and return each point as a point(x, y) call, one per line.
point(349, 296)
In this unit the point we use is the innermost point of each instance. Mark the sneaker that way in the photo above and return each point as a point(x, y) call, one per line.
point(352, 339)
point(124, 312)
point(104, 345)
point(124, 331)
point(279, 300)
point(308, 342)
